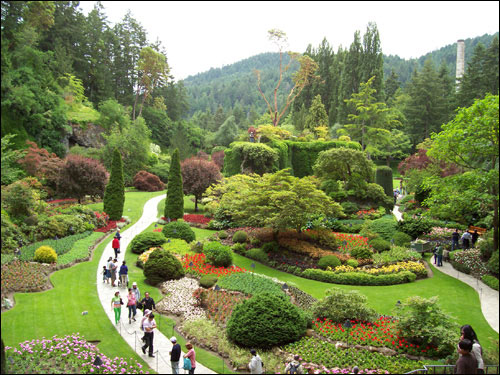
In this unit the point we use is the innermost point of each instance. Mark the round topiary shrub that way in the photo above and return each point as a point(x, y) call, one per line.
point(402, 239)
point(146, 181)
point(240, 236)
point(339, 305)
point(352, 262)
point(162, 266)
point(222, 234)
point(208, 281)
point(380, 245)
point(266, 320)
point(328, 261)
point(179, 229)
point(145, 241)
point(217, 254)
point(258, 255)
point(45, 254)
point(361, 252)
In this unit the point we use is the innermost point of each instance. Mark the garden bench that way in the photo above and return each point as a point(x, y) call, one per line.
point(480, 230)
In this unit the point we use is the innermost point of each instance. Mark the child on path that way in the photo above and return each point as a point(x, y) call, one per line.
point(104, 274)
point(109, 266)
point(466, 363)
point(477, 351)
point(116, 305)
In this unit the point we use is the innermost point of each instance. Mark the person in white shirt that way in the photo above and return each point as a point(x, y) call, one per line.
point(149, 325)
point(255, 365)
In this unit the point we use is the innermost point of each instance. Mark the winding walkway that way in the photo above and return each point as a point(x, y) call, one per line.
point(488, 296)
point(131, 333)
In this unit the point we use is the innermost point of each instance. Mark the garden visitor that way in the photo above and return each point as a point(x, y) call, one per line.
point(109, 266)
point(355, 370)
point(477, 351)
point(137, 293)
point(474, 237)
point(175, 355)
point(294, 367)
point(467, 363)
point(149, 325)
point(116, 305)
point(124, 275)
point(105, 274)
point(144, 318)
point(435, 255)
point(117, 234)
point(131, 304)
point(148, 302)
point(455, 236)
point(191, 355)
point(439, 252)
point(113, 269)
point(116, 246)
point(256, 364)
point(466, 237)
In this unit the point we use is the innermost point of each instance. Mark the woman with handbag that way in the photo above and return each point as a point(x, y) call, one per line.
point(131, 304)
point(116, 305)
point(190, 358)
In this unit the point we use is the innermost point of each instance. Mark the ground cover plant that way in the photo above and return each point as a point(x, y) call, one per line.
point(250, 283)
point(71, 354)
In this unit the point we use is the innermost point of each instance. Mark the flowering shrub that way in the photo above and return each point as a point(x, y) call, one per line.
point(370, 214)
point(143, 258)
point(195, 264)
point(180, 299)
point(469, 261)
point(71, 354)
point(438, 233)
point(380, 333)
point(24, 277)
point(415, 267)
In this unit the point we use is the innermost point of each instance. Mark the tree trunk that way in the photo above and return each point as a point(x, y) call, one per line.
point(195, 203)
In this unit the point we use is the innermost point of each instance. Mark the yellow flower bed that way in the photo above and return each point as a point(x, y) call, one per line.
point(415, 267)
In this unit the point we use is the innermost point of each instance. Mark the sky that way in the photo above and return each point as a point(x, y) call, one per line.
point(198, 36)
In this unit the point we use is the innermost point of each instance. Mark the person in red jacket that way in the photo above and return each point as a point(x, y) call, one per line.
point(116, 246)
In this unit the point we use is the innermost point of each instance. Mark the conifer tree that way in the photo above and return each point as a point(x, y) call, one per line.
point(174, 204)
point(114, 195)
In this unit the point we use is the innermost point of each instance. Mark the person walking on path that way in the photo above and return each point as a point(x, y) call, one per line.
point(175, 355)
point(455, 236)
point(105, 274)
point(256, 364)
point(477, 351)
point(109, 266)
point(294, 367)
point(466, 237)
point(144, 318)
point(467, 363)
point(113, 268)
point(148, 302)
point(118, 235)
point(439, 251)
point(149, 326)
point(116, 246)
point(131, 304)
point(191, 355)
point(116, 305)
point(136, 291)
point(123, 275)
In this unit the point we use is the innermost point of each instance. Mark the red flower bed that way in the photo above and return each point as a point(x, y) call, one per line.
point(67, 200)
point(199, 267)
point(381, 333)
point(351, 240)
point(198, 219)
point(109, 224)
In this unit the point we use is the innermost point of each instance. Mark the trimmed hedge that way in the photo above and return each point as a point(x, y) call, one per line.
point(240, 236)
point(491, 281)
point(266, 320)
point(162, 266)
point(383, 177)
point(208, 281)
point(328, 261)
point(359, 278)
point(174, 204)
point(144, 241)
point(45, 254)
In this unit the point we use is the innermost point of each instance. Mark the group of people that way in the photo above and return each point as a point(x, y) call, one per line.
point(468, 239)
point(110, 271)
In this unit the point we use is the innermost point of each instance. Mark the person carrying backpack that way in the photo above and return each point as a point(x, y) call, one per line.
point(294, 367)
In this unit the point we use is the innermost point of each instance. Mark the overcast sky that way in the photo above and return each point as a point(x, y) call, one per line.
point(200, 35)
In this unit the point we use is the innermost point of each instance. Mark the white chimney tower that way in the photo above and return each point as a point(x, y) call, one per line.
point(460, 60)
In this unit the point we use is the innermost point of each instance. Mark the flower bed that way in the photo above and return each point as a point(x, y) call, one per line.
point(71, 354)
point(20, 276)
point(348, 241)
point(219, 304)
point(316, 351)
point(180, 299)
point(381, 333)
point(359, 278)
point(469, 261)
point(61, 246)
point(438, 234)
point(195, 264)
point(197, 219)
point(414, 267)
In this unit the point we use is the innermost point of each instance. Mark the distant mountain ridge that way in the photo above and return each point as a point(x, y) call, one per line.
point(236, 84)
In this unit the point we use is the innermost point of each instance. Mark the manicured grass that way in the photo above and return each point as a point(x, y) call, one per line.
point(59, 311)
point(456, 298)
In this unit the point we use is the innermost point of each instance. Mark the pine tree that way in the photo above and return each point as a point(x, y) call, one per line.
point(114, 195)
point(174, 204)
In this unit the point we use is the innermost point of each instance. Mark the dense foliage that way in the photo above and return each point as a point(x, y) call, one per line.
point(174, 204)
point(114, 195)
point(162, 266)
point(179, 229)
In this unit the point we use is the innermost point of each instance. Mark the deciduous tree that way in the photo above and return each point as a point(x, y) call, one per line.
point(197, 175)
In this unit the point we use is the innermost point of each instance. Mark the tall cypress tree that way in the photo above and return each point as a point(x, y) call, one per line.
point(114, 195)
point(174, 204)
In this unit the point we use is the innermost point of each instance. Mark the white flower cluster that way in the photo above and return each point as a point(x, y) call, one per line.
point(180, 298)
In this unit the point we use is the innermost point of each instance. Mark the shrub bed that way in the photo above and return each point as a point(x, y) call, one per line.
point(162, 266)
point(491, 281)
point(359, 278)
point(60, 246)
point(217, 254)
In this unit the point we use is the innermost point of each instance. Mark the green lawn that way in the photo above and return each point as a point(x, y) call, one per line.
point(59, 311)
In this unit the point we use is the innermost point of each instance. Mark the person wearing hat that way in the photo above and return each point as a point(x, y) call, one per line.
point(256, 364)
point(175, 355)
point(144, 318)
point(136, 291)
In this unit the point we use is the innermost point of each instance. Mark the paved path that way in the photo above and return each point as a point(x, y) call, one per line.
point(131, 333)
point(487, 295)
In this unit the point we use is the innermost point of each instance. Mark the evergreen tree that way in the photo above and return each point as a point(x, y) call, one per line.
point(391, 86)
point(174, 204)
point(317, 115)
point(227, 132)
point(114, 195)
